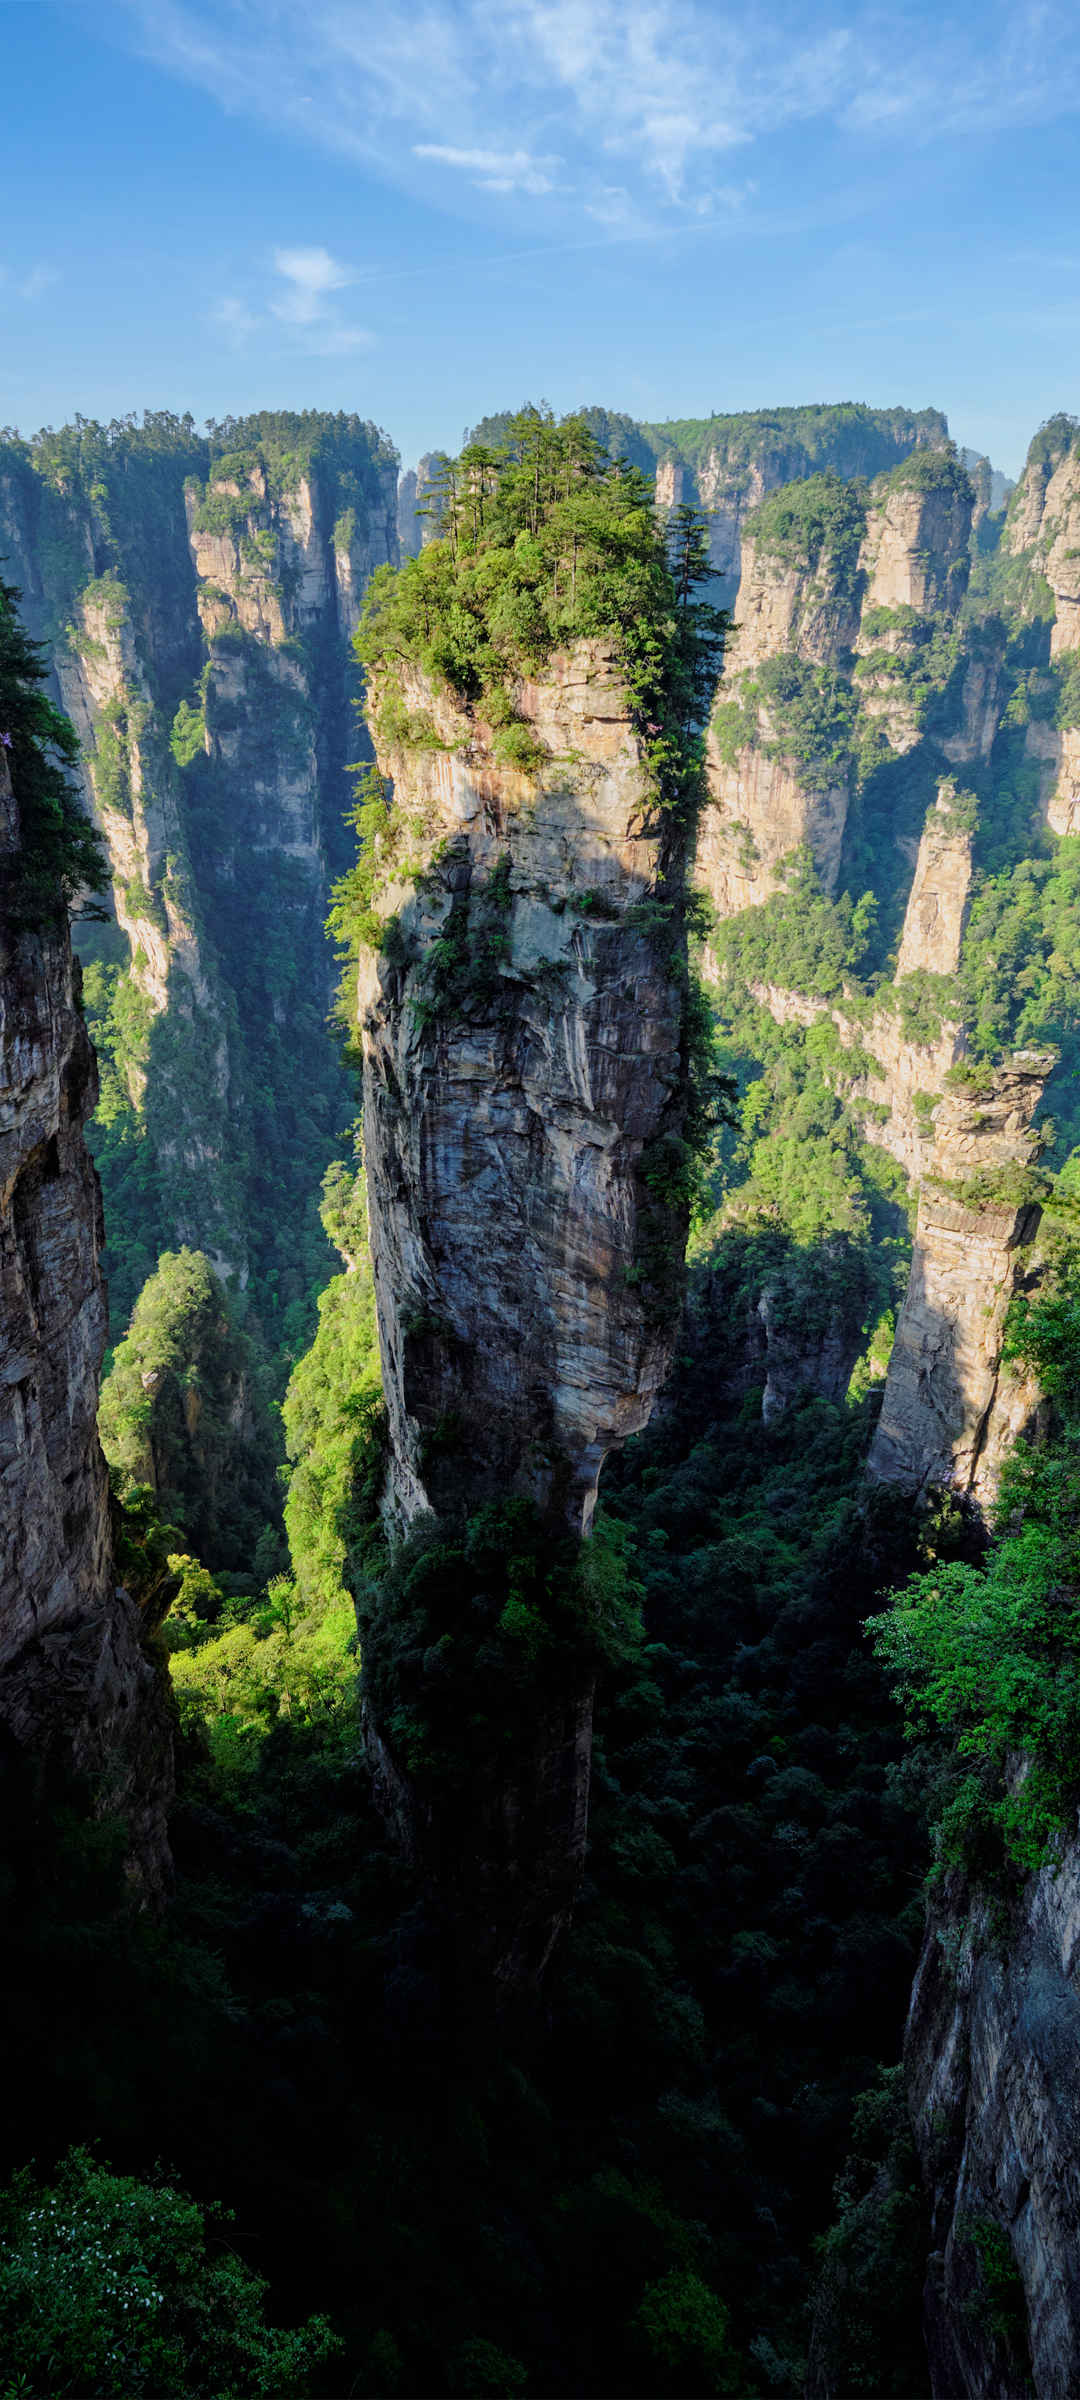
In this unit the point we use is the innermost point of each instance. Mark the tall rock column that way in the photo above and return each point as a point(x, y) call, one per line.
point(522, 1072)
point(522, 1030)
point(74, 1684)
point(949, 1411)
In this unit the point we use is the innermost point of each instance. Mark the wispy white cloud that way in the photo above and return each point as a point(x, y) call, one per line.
point(236, 319)
point(302, 302)
point(310, 276)
point(553, 102)
point(29, 285)
point(494, 170)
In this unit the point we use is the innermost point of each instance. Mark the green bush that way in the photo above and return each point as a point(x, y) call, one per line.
point(59, 852)
point(989, 1654)
point(113, 2285)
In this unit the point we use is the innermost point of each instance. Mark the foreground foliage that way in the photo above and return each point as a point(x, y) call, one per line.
point(109, 2284)
point(988, 1653)
point(60, 854)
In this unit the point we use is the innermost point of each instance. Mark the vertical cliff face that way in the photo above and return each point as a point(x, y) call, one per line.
point(414, 528)
point(74, 1684)
point(524, 1091)
point(991, 2048)
point(521, 1039)
point(947, 1412)
point(1044, 524)
point(940, 892)
point(729, 465)
point(917, 532)
point(772, 788)
point(200, 602)
point(843, 596)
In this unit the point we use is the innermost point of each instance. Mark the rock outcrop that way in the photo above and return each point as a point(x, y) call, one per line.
point(941, 888)
point(948, 1412)
point(917, 532)
point(75, 1687)
point(991, 2056)
point(839, 597)
point(522, 1032)
point(731, 466)
point(521, 1035)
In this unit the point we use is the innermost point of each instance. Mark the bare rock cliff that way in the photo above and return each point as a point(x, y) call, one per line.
point(521, 1039)
point(938, 900)
point(949, 1410)
point(830, 608)
point(74, 1683)
point(991, 2052)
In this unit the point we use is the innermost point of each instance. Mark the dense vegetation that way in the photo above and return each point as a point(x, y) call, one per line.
point(630, 2204)
point(989, 1652)
point(59, 852)
point(543, 540)
point(207, 735)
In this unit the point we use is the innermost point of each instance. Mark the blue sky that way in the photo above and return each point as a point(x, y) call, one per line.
point(423, 214)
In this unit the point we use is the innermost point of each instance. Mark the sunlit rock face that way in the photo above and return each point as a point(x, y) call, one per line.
point(846, 610)
point(74, 1684)
point(523, 1264)
point(522, 1031)
point(940, 891)
point(233, 593)
point(950, 1411)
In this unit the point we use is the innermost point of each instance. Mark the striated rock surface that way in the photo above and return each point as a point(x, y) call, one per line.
point(838, 598)
point(916, 550)
point(947, 1412)
point(1044, 523)
point(992, 2060)
point(74, 1684)
point(938, 901)
point(508, 1122)
point(743, 458)
point(199, 608)
point(522, 1031)
point(760, 812)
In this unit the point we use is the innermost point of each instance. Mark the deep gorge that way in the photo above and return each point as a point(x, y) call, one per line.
point(525, 1951)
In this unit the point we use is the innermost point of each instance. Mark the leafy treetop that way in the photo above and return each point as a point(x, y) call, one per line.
point(60, 853)
point(544, 539)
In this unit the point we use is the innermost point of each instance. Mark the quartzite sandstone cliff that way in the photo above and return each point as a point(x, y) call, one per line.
point(522, 1032)
point(950, 1410)
point(991, 2052)
point(508, 1125)
point(75, 1687)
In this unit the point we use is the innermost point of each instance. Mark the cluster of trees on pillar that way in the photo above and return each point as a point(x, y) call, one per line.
point(544, 539)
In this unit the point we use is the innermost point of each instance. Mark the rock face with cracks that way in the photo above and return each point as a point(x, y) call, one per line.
point(950, 1410)
point(991, 2049)
point(75, 1687)
point(522, 1032)
point(524, 1093)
